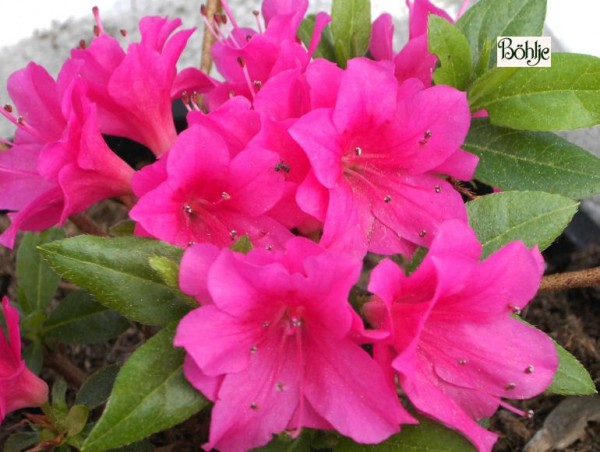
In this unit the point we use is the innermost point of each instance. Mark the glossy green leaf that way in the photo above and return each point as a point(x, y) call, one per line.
point(571, 378)
point(325, 48)
point(37, 282)
point(33, 354)
point(79, 319)
point(76, 419)
point(122, 229)
point(452, 48)
point(488, 19)
point(564, 96)
point(351, 28)
point(516, 160)
point(117, 272)
point(97, 388)
point(536, 218)
point(18, 442)
point(427, 436)
point(150, 394)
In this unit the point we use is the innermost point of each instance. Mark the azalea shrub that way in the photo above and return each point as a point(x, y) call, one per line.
point(334, 250)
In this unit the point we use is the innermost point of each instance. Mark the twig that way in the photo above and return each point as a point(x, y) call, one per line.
point(87, 225)
point(61, 364)
point(571, 280)
point(212, 7)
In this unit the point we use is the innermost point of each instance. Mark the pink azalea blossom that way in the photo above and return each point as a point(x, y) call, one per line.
point(248, 58)
point(19, 388)
point(454, 343)
point(59, 163)
point(271, 345)
point(211, 194)
point(376, 156)
point(133, 89)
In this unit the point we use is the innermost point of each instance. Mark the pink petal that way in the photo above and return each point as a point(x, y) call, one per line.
point(382, 35)
point(193, 272)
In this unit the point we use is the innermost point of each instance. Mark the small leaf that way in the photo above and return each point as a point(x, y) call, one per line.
point(427, 436)
point(76, 419)
point(536, 218)
point(18, 442)
point(59, 399)
point(351, 28)
point(450, 45)
point(33, 354)
point(166, 269)
point(117, 272)
point(514, 160)
point(283, 443)
point(488, 19)
point(37, 282)
point(564, 96)
point(122, 229)
point(150, 394)
point(97, 388)
point(79, 319)
point(571, 378)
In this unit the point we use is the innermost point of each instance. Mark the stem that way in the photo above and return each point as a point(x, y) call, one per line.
point(61, 364)
point(212, 7)
point(571, 280)
point(87, 225)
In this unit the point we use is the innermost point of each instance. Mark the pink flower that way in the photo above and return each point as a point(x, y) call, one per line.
point(271, 345)
point(248, 58)
point(211, 193)
point(133, 89)
point(19, 387)
point(454, 343)
point(59, 163)
point(376, 156)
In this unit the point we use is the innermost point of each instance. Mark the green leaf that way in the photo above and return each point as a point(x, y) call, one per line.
point(122, 229)
point(117, 272)
point(488, 19)
point(571, 378)
point(536, 218)
point(450, 45)
point(79, 319)
point(37, 282)
point(166, 269)
point(351, 28)
point(97, 388)
point(33, 354)
point(515, 160)
point(325, 49)
point(76, 419)
point(427, 436)
point(150, 394)
point(18, 442)
point(564, 96)
point(283, 443)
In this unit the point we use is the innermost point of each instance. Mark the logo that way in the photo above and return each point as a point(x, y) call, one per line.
point(524, 51)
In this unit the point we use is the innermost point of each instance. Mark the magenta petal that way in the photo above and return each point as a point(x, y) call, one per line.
point(460, 165)
point(324, 79)
point(419, 15)
point(208, 386)
point(382, 35)
point(193, 271)
point(356, 400)
point(415, 61)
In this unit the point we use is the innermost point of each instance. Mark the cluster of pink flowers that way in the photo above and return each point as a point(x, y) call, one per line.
point(285, 147)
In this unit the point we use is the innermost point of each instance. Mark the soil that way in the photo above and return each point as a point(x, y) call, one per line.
point(571, 317)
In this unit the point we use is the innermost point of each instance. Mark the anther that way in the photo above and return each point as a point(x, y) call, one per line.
point(427, 134)
point(256, 13)
point(96, 30)
point(191, 242)
point(357, 151)
point(423, 233)
point(530, 414)
point(254, 406)
point(223, 18)
point(280, 387)
point(529, 369)
point(296, 322)
point(282, 166)
point(123, 32)
point(188, 209)
point(82, 44)
point(248, 38)
point(515, 309)
point(268, 247)
point(266, 324)
point(226, 196)
point(203, 10)
point(462, 362)
point(233, 233)
point(387, 199)
point(241, 62)
point(20, 120)
point(8, 108)
point(257, 84)
point(511, 386)
point(438, 189)
point(253, 349)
